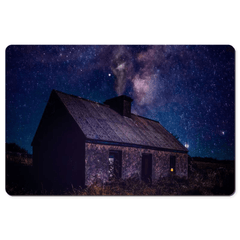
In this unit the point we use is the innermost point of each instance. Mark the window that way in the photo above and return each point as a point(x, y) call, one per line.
point(115, 164)
point(172, 164)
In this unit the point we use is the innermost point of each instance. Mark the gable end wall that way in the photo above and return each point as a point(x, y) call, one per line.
point(58, 148)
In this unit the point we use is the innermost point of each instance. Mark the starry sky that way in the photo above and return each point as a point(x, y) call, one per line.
point(190, 90)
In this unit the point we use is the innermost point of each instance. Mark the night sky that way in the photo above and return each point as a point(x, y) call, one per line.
point(190, 90)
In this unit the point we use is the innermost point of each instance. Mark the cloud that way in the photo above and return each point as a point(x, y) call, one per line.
point(153, 72)
point(145, 80)
point(121, 67)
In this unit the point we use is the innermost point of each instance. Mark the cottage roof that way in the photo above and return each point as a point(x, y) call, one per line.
point(100, 123)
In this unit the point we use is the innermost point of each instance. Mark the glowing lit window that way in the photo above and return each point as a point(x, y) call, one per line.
point(172, 164)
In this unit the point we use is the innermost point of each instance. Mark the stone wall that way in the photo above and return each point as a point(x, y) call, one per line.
point(97, 166)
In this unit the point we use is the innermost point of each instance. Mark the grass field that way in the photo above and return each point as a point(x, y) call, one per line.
point(206, 177)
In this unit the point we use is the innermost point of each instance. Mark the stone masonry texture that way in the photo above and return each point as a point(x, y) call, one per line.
point(97, 165)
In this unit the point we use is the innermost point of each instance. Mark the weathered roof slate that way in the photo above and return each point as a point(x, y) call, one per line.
point(99, 122)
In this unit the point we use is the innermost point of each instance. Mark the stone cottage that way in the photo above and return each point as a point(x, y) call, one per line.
point(79, 141)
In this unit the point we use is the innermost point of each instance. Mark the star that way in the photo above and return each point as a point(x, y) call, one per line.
point(178, 86)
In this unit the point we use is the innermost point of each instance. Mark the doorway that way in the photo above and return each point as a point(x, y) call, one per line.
point(147, 167)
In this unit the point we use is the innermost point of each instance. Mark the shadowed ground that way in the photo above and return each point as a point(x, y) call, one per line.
point(206, 177)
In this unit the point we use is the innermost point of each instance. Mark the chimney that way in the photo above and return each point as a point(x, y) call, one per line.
point(121, 104)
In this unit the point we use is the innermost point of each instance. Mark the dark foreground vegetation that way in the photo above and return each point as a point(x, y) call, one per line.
point(206, 177)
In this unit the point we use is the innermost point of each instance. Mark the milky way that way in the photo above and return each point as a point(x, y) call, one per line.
point(188, 89)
